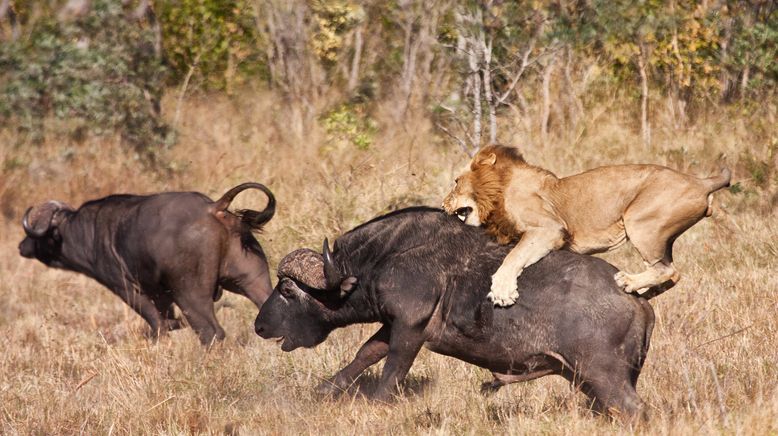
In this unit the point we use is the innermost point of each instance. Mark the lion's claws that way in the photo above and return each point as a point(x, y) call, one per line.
point(627, 283)
point(502, 295)
point(622, 280)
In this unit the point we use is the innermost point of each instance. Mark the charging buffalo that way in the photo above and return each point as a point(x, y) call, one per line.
point(154, 250)
point(424, 276)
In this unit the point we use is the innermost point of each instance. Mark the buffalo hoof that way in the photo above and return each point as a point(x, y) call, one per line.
point(174, 324)
point(384, 397)
point(328, 388)
point(490, 387)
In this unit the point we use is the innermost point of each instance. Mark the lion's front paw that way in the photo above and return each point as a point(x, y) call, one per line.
point(504, 291)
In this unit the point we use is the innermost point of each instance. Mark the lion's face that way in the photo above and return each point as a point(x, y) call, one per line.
point(461, 201)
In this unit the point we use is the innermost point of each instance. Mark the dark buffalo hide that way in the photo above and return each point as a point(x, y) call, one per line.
point(156, 250)
point(424, 277)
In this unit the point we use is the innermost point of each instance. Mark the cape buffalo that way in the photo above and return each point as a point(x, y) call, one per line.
point(424, 276)
point(154, 250)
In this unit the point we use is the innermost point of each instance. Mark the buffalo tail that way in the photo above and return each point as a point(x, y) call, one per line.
point(251, 218)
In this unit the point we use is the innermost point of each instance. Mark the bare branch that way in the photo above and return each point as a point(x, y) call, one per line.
point(458, 140)
point(522, 67)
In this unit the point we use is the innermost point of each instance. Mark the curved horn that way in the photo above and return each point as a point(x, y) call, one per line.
point(31, 231)
point(331, 274)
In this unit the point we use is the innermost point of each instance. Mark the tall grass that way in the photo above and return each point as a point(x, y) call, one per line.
point(74, 359)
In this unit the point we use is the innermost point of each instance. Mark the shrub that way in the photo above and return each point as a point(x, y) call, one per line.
point(99, 73)
point(348, 123)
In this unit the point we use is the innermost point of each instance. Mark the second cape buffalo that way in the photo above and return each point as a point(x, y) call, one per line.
point(424, 277)
point(156, 250)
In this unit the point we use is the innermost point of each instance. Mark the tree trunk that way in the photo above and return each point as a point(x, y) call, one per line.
point(546, 109)
point(353, 77)
point(476, 90)
point(645, 128)
point(744, 79)
point(7, 12)
point(725, 81)
point(573, 105)
point(409, 58)
point(488, 94)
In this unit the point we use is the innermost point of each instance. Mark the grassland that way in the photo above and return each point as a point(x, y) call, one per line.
point(74, 359)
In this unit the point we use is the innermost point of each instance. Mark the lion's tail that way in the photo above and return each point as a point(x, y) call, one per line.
point(717, 182)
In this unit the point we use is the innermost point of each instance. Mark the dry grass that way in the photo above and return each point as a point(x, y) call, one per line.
point(75, 360)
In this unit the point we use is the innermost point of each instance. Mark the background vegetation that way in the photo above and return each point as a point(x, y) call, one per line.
point(349, 109)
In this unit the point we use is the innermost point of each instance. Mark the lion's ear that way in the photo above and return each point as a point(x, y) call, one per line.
point(488, 159)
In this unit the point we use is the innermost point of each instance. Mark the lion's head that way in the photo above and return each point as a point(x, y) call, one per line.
point(477, 197)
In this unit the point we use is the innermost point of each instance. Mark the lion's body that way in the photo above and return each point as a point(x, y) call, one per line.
point(590, 212)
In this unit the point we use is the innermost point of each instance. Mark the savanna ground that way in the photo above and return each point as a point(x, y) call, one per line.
point(75, 359)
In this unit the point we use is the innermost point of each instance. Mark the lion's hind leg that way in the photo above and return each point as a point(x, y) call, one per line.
point(656, 274)
point(657, 254)
point(652, 223)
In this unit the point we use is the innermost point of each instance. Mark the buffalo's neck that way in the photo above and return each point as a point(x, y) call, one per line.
point(357, 308)
point(79, 247)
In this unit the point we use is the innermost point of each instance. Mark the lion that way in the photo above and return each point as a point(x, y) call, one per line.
point(591, 212)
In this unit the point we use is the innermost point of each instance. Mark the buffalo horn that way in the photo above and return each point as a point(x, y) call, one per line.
point(331, 273)
point(30, 230)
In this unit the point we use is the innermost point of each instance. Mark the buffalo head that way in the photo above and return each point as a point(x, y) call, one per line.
point(301, 310)
point(41, 225)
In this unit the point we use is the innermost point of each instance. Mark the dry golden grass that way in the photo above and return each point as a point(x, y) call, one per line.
point(75, 360)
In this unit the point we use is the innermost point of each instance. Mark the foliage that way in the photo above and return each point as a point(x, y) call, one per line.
point(334, 19)
point(99, 73)
point(348, 123)
point(217, 40)
point(99, 69)
point(754, 45)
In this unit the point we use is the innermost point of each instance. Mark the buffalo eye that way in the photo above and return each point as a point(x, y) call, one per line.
point(287, 288)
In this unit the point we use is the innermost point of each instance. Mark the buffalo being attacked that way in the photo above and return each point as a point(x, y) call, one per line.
point(424, 277)
point(156, 250)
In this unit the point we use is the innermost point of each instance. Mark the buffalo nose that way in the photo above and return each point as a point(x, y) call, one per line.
point(25, 249)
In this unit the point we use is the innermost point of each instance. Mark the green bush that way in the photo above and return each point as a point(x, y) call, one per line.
point(348, 123)
point(98, 74)
point(217, 40)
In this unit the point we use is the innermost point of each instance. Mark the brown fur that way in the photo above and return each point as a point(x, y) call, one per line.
point(489, 182)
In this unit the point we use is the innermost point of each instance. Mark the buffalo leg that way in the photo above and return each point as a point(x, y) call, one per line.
point(375, 349)
point(404, 345)
point(245, 271)
point(164, 304)
point(612, 391)
point(144, 307)
point(198, 310)
point(501, 380)
point(254, 285)
point(194, 296)
point(193, 293)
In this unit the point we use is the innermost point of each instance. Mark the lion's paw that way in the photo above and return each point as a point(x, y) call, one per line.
point(504, 292)
point(628, 283)
point(622, 280)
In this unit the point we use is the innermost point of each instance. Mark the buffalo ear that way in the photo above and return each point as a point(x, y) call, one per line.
point(347, 285)
point(488, 159)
